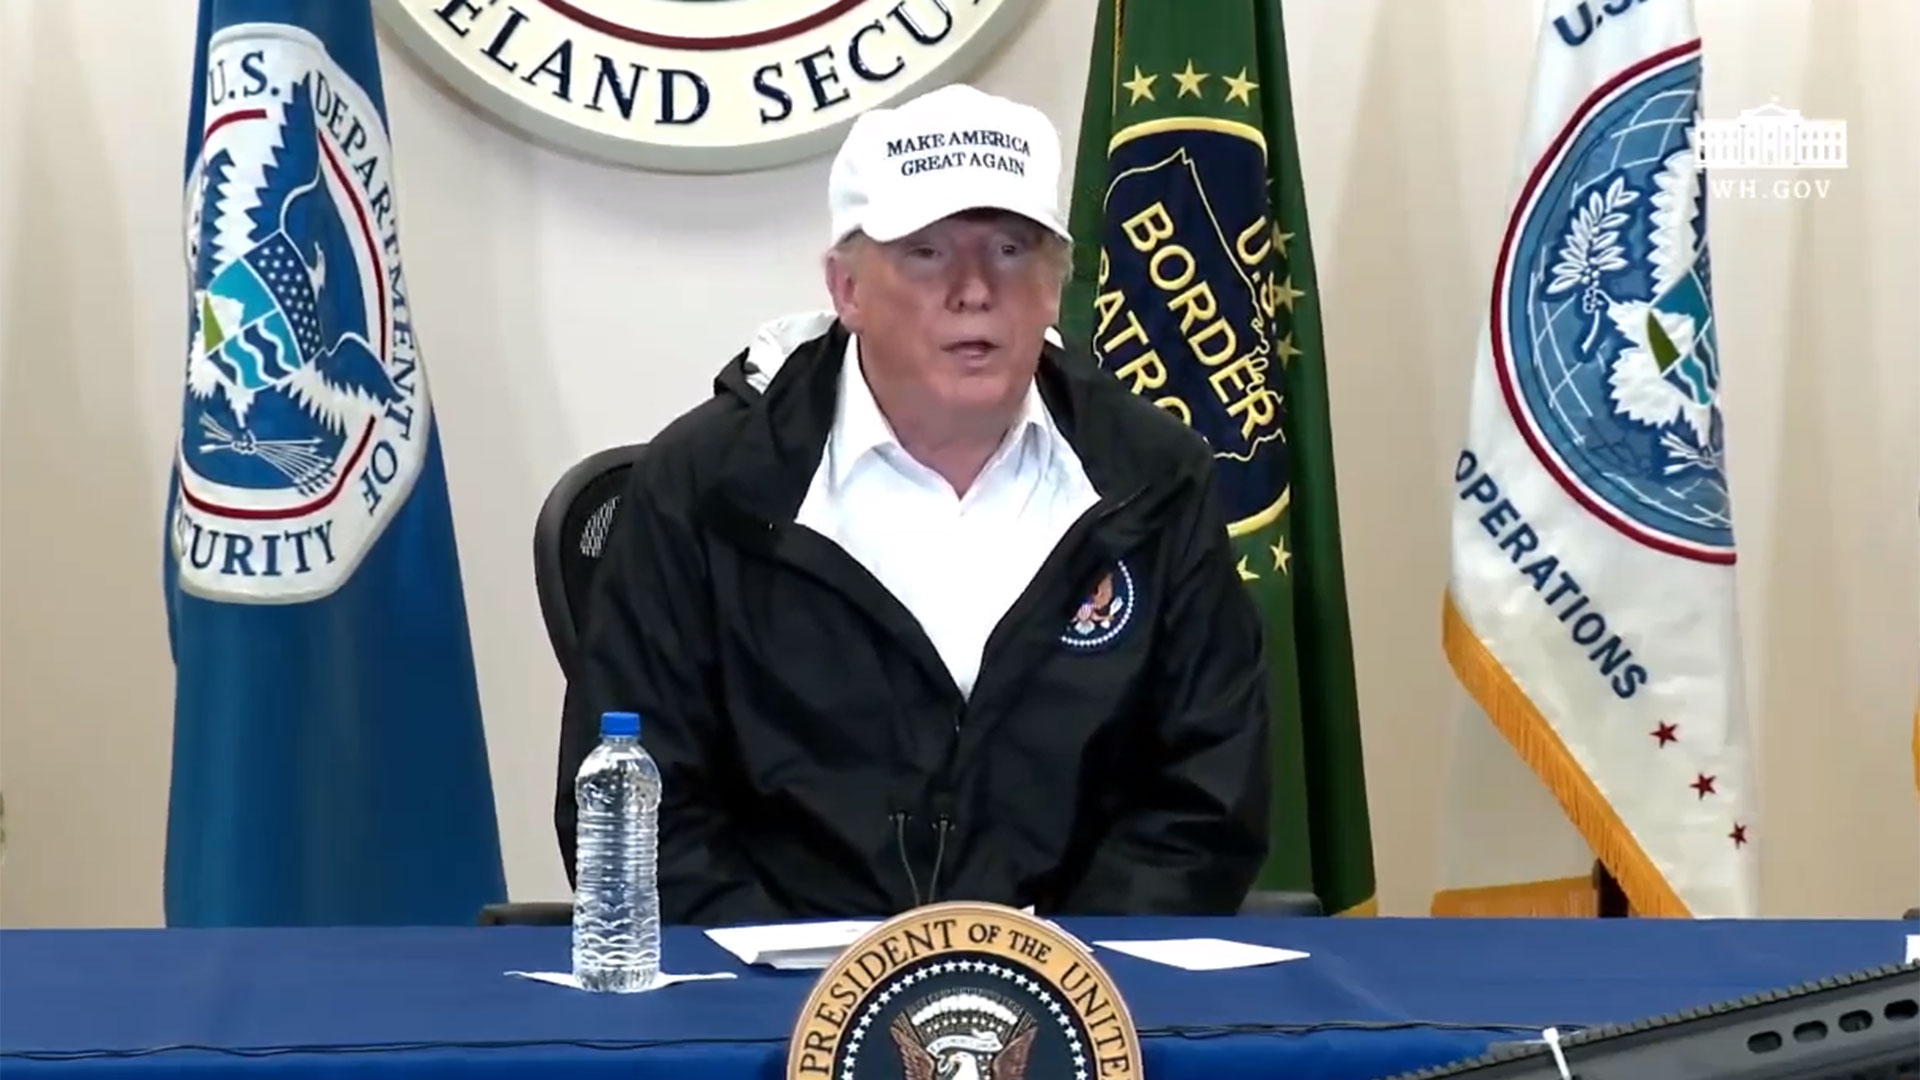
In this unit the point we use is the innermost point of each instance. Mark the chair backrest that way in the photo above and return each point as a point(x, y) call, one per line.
point(568, 539)
point(1280, 902)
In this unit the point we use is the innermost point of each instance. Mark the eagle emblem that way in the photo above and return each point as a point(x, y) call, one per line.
point(1605, 341)
point(964, 991)
point(280, 370)
point(1098, 611)
point(963, 1036)
point(1104, 613)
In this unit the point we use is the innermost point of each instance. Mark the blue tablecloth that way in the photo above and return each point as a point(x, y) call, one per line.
point(1377, 996)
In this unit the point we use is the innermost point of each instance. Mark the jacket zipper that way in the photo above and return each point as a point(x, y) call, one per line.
point(943, 803)
point(943, 799)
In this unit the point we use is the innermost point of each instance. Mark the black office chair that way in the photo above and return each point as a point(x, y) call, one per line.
point(568, 538)
point(528, 913)
point(1276, 902)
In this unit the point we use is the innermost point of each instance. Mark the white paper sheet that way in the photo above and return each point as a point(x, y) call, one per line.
point(1913, 948)
point(566, 979)
point(791, 946)
point(1203, 954)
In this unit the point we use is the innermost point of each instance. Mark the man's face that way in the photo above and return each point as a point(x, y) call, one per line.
point(953, 315)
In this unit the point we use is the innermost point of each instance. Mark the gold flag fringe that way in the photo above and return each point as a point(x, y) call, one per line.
point(1534, 739)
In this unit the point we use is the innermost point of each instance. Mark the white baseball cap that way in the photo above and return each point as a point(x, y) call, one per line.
point(947, 151)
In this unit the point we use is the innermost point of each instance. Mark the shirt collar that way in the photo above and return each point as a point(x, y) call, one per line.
point(860, 428)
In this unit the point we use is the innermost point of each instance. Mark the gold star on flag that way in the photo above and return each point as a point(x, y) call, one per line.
point(1281, 239)
point(1281, 556)
point(1288, 294)
point(1141, 86)
point(1189, 80)
point(1241, 88)
point(1287, 351)
point(1246, 574)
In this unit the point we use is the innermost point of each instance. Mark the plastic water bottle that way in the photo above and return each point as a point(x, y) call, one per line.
point(616, 903)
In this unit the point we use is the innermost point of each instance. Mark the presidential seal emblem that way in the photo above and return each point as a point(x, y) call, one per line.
point(1603, 329)
point(964, 991)
point(696, 85)
point(1100, 618)
point(306, 416)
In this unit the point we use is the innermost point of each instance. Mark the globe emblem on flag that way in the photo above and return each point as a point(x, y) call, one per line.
point(305, 417)
point(1603, 326)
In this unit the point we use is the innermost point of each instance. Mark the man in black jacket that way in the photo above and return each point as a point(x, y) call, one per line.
point(920, 605)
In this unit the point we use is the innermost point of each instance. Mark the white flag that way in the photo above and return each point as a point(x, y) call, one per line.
point(1591, 608)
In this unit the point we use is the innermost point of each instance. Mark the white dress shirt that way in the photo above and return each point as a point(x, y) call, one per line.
point(957, 563)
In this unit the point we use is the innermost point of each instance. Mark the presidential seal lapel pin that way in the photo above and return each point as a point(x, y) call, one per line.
point(964, 991)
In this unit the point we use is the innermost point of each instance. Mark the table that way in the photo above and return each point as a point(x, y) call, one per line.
point(1377, 997)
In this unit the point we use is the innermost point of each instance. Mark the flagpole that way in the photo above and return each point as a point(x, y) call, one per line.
point(1611, 902)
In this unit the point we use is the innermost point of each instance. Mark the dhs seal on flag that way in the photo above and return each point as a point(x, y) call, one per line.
point(1603, 328)
point(306, 414)
point(964, 991)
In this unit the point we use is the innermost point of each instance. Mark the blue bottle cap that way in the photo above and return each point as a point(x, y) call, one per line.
point(620, 724)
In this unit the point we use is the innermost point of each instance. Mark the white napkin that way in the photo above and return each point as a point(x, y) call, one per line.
point(566, 979)
point(803, 946)
point(1203, 954)
point(791, 946)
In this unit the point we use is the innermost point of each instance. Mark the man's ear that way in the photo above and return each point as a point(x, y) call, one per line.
point(838, 269)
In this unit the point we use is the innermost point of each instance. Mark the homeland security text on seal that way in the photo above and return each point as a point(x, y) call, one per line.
point(694, 85)
point(306, 411)
point(964, 991)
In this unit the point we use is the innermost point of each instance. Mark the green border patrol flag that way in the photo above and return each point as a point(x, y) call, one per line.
point(1194, 284)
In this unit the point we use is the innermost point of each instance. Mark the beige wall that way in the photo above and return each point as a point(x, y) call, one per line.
point(565, 306)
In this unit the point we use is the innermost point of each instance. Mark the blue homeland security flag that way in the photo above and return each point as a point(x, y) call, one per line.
point(329, 763)
point(1591, 606)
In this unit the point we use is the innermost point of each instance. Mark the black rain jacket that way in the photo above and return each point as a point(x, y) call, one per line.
point(817, 758)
